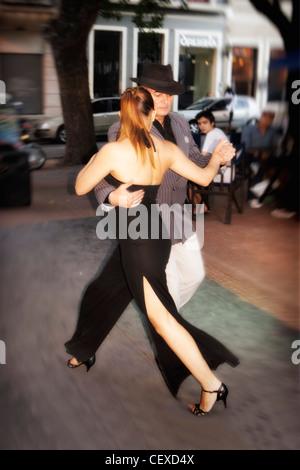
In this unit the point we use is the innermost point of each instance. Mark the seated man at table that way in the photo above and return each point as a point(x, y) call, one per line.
point(260, 142)
point(213, 135)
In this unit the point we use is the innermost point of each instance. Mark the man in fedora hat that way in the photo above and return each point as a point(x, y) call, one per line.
point(185, 270)
point(101, 306)
point(159, 78)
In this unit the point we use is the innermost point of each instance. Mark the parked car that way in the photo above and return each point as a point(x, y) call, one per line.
point(105, 113)
point(245, 111)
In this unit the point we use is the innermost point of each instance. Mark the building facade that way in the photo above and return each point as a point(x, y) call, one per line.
point(212, 45)
point(253, 44)
point(26, 63)
point(192, 43)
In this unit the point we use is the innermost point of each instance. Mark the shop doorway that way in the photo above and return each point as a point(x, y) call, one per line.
point(244, 64)
point(195, 73)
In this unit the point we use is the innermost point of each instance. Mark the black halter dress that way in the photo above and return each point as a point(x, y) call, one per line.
point(146, 257)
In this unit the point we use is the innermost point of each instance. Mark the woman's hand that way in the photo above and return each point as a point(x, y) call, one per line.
point(224, 151)
point(123, 198)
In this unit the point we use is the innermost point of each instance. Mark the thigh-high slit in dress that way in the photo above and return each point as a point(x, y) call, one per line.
point(146, 258)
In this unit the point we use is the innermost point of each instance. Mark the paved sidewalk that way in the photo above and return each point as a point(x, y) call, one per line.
point(257, 257)
point(49, 252)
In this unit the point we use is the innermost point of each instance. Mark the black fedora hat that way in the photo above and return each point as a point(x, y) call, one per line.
point(159, 77)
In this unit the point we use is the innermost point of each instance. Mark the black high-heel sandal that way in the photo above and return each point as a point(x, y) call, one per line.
point(88, 364)
point(222, 394)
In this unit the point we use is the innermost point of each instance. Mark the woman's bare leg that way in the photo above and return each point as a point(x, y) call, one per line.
point(182, 344)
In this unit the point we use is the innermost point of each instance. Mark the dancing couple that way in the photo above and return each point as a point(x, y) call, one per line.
point(180, 348)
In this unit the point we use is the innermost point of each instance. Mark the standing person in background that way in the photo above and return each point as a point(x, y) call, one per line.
point(229, 93)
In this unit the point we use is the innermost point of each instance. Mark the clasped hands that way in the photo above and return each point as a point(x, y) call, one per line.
point(224, 151)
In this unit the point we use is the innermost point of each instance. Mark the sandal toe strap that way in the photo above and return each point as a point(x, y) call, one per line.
point(197, 410)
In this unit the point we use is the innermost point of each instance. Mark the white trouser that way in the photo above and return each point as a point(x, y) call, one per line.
point(185, 270)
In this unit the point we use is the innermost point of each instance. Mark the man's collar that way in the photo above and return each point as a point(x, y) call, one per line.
point(166, 130)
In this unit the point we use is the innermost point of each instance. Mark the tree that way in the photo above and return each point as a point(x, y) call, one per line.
point(289, 31)
point(68, 34)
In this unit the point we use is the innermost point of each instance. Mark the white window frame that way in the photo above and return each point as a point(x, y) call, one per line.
point(123, 62)
point(165, 51)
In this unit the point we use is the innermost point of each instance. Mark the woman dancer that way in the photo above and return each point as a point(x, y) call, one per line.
point(180, 348)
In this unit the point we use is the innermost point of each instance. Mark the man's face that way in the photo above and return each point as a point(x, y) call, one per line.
point(205, 125)
point(162, 103)
point(267, 119)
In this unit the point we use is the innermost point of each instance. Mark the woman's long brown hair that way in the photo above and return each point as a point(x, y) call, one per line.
point(137, 103)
